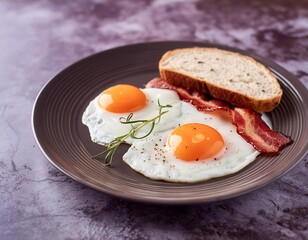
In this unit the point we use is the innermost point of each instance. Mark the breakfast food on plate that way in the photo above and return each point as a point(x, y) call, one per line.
point(225, 75)
point(176, 132)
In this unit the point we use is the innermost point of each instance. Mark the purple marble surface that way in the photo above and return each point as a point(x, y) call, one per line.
point(40, 38)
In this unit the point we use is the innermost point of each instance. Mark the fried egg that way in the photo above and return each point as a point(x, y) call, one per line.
point(201, 147)
point(103, 114)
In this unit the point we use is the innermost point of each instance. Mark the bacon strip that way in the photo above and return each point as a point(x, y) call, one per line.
point(249, 124)
point(254, 130)
point(197, 99)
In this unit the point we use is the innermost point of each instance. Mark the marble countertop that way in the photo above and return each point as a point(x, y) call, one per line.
point(40, 38)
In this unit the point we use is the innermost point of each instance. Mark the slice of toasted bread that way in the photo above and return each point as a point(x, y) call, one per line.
point(225, 75)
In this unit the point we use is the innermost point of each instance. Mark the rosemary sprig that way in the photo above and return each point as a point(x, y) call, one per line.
point(136, 125)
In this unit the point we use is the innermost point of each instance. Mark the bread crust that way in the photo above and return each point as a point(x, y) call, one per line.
point(217, 91)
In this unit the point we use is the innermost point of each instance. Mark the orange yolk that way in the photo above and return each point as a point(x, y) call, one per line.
point(195, 141)
point(122, 98)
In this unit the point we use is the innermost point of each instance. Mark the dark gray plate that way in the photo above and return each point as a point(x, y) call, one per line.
point(65, 141)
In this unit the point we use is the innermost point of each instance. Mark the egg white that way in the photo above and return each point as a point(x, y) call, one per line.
point(152, 158)
point(105, 126)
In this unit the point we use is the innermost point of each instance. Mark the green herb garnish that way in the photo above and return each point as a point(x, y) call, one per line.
point(136, 125)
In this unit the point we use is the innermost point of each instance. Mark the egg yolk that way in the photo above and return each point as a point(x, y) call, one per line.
point(194, 141)
point(122, 98)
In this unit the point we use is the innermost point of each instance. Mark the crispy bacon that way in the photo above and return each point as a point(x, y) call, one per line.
point(249, 123)
point(254, 130)
point(197, 99)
